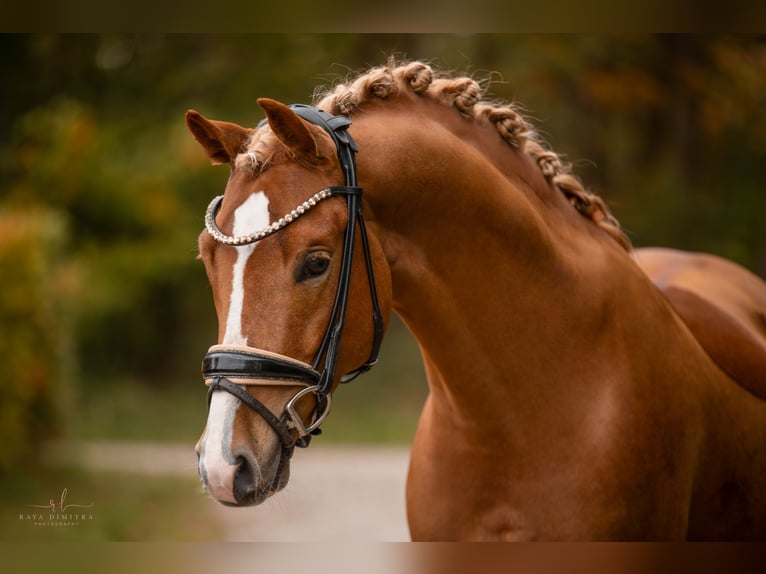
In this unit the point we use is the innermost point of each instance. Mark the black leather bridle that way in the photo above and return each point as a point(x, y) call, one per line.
point(222, 366)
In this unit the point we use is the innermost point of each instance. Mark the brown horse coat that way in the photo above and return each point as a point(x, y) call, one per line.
point(723, 304)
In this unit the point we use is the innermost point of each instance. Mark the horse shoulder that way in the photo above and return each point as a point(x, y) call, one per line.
point(722, 304)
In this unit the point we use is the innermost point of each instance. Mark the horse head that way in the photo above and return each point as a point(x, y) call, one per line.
point(287, 282)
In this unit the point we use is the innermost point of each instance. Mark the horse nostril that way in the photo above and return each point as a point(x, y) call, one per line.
point(245, 481)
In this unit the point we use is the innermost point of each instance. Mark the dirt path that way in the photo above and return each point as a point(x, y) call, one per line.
point(335, 493)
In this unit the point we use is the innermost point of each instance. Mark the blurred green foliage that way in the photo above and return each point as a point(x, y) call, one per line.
point(670, 130)
point(35, 337)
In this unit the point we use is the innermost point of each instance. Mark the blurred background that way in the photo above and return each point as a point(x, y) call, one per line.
point(105, 314)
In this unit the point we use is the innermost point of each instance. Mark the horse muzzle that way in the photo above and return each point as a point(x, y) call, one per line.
point(229, 469)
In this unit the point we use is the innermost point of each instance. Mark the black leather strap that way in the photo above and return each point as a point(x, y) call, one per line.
point(377, 316)
point(283, 432)
point(250, 365)
point(337, 128)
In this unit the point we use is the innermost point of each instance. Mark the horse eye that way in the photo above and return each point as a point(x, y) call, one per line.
point(314, 265)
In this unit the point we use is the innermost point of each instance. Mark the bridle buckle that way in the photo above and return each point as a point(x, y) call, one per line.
point(296, 422)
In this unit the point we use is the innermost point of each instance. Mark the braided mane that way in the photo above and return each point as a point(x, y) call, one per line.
point(465, 95)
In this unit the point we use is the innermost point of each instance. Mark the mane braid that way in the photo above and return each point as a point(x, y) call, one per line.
point(465, 95)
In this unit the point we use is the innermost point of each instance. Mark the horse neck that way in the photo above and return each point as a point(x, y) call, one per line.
point(492, 277)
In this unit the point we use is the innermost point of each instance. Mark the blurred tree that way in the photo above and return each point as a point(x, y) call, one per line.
point(35, 342)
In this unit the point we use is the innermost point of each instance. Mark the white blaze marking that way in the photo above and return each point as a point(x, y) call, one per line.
point(217, 462)
point(253, 214)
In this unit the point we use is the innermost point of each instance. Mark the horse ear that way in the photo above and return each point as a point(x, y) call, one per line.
point(222, 141)
point(290, 129)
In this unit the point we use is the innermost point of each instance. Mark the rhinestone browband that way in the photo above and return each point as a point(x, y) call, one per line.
point(280, 223)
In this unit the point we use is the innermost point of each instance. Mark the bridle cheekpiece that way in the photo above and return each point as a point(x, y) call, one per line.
point(233, 368)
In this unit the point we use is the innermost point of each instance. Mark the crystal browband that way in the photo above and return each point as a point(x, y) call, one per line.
point(280, 223)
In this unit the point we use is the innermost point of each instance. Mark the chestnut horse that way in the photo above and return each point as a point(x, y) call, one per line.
point(578, 389)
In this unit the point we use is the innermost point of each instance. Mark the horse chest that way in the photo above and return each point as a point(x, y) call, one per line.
point(551, 489)
point(453, 494)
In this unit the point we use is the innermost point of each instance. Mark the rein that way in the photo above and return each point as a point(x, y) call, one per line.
point(231, 369)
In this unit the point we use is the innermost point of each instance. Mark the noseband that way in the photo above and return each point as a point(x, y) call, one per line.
point(231, 369)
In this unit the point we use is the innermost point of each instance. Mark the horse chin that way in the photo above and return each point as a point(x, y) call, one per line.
point(280, 480)
point(268, 484)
